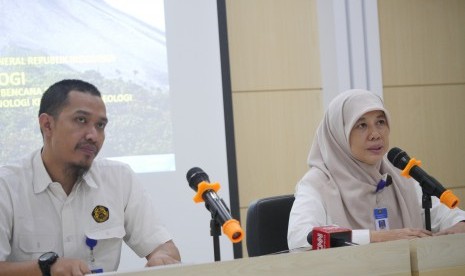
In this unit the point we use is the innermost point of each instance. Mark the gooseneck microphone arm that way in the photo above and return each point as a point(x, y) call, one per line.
point(429, 185)
point(220, 214)
point(215, 232)
point(427, 204)
point(400, 159)
point(194, 177)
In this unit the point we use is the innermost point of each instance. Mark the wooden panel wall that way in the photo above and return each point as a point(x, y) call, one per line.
point(423, 61)
point(276, 83)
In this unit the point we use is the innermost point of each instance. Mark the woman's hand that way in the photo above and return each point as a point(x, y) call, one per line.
point(398, 234)
point(459, 227)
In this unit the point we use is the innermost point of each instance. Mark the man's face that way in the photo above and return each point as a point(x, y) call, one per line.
point(77, 134)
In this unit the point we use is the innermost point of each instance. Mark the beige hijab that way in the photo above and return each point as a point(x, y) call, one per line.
point(351, 198)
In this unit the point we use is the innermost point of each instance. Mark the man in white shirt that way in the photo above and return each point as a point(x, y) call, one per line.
point(63, 213)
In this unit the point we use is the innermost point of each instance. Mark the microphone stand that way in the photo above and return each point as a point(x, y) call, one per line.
point(427, 204)
point(215, 232)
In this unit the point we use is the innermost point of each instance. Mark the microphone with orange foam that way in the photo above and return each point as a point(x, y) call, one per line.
point(411, 168)
point(206, 192)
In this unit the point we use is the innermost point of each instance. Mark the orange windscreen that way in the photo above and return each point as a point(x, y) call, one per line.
point(449, 199)
point(233, 230)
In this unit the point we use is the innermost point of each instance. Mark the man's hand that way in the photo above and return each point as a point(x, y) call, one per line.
point(398, 234)
point(73, 267)
point(459, 227)
point(164, 254)
point(62, 266)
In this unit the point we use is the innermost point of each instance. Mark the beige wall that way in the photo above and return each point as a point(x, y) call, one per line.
point(423, 61)
point(276, 84)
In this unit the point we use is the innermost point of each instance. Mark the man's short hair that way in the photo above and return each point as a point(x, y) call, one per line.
point(56, 96)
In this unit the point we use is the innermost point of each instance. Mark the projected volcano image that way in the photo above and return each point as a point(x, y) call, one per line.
point(123, 55)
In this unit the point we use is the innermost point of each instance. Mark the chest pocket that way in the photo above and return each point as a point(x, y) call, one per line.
point(34, 245)
point(117, 232)
point(107, 251)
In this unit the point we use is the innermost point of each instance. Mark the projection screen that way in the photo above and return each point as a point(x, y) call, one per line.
point(163, 71)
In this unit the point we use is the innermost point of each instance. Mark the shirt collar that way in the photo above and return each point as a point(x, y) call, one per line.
point(87, 178)
point(41, 178)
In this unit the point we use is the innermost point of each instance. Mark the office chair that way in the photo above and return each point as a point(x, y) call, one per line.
point(267, 221)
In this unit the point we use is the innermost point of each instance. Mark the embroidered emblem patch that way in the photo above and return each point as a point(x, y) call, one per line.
point(100, 213)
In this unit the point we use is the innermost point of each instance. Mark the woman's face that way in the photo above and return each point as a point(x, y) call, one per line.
point(369, 138)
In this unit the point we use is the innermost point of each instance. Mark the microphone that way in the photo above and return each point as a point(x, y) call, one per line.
point(330, 236)
point(206, 192)
point(411, 168)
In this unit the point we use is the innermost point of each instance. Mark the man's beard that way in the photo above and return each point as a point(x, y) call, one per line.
point(81, 167)
point(77, 170)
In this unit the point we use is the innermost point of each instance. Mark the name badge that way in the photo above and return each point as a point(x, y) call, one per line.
point(381, 219)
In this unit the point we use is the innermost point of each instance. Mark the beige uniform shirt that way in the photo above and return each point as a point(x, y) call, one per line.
point(107, 205)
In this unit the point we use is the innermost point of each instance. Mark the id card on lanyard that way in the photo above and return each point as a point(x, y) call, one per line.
point(381, 219)
point(91, 243)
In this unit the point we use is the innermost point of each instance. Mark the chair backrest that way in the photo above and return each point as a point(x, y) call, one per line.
point(267, 222)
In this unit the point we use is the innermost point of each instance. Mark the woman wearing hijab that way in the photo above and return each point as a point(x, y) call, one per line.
point(350, 180)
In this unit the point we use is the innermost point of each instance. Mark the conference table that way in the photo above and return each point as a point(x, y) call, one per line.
point(441, 255)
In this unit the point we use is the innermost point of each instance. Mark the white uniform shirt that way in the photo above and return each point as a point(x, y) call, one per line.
point(309, 211)
point(108, 205)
